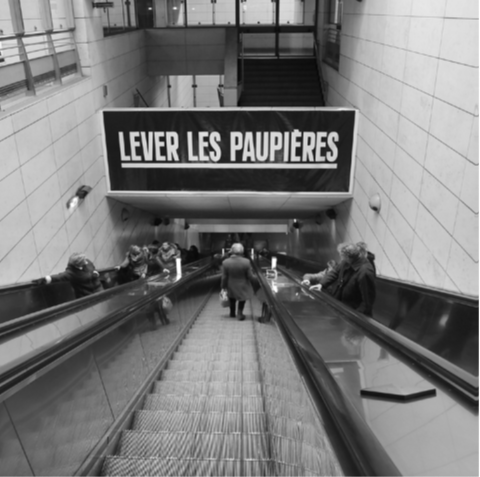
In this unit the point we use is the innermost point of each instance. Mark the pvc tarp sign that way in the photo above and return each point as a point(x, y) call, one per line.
point(255, 150)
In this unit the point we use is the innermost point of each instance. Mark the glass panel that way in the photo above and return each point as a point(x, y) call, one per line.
point(63, 42)
point(199, 12)
point(58, 14)
point(32, 18)
point(224, 12)
point(259, 44)
point(309, 12)
point(122, 16)
point(175, 13)
point(36, 46)
point(296, 44)
point(145, 13)
point(297, 12)
point(332, 47)
point(207, 91)
point(257, 12)
point(6, 25)
point(9, 52)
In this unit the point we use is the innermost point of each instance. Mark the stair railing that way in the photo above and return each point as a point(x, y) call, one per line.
point(318, 58)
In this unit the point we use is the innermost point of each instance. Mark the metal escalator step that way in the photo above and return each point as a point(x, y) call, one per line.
point(128, 466)
point(156, 444)
point(279, 407)
point(214, 388)
point(180, 388)
point(194, 446)
point(209, 422)
point(166, 421)
point(172, 403)
point(256, 446)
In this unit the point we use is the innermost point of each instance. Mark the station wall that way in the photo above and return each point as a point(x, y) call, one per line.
point(51, 143)
point(411, 69)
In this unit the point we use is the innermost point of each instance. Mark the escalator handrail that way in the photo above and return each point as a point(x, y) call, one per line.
point(366, 451)
point(32, 367)
point(424, 289)
point(463, 382)
point(57, 311)
point(15, 287)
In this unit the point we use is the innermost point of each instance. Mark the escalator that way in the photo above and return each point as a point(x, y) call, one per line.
point(208, 413)
point(111, 389)
point(438, 329)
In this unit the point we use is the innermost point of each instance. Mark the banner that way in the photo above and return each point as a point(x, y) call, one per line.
point(261, 150)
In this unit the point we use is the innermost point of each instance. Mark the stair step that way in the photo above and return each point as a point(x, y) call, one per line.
point(285, 82)
point(246, 376)
point(186, 388)
point(157, 402)
point(184, 445)
point(229, 422)
point(128, 466)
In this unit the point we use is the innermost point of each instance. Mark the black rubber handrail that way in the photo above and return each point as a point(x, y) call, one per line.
point(366, 452)
point(55, 312)
point(463, 382)
point(30, 284)
point(29, 367)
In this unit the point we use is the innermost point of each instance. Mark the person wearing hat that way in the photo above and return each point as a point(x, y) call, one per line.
point(353, 280)
point(135, 265)
point(80, 272)
point(166, 255)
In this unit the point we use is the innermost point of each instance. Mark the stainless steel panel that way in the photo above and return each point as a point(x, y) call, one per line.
point(12, 458)
point(61, 416)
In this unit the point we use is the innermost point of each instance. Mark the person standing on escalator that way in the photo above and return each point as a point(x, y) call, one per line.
point(353, 280)
point(237, 279)
point(80, 272)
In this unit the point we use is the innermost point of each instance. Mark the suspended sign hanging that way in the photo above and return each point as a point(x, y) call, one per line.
point(285, 150)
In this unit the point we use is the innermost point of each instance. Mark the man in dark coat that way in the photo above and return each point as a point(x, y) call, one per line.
point(237, 279)
point(353, 280)
point(81, 274)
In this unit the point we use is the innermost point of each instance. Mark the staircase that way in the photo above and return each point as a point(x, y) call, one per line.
point(217, 410)
point(281, 82)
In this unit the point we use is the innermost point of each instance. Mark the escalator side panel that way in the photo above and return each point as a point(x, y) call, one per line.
point(12, 457)
point(446, 327)
point(62, 415)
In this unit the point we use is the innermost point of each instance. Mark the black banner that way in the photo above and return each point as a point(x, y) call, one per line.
point(258, 150)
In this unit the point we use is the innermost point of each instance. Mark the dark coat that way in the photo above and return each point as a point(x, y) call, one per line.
point(237, 278)
point(353, 285)
point(83, 281)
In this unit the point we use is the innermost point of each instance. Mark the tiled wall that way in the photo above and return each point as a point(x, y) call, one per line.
point(52, 145)
point(411, 68)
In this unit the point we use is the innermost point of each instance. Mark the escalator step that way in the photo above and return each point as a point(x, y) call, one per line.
point(228, 422)
point(194, 445)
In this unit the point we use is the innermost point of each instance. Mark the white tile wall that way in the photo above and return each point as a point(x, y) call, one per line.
point(418, 136)
point(48, 150)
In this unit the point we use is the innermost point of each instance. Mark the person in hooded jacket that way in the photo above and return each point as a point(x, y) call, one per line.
point(135, 265)
point(166, 256)
point(81, 273)
point(368, 255)
point(353, 280)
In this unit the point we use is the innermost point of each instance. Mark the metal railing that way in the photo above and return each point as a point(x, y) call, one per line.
point(332, 47)
point(36, 59)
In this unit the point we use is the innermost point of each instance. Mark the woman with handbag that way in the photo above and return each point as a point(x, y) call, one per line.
point(237, 279)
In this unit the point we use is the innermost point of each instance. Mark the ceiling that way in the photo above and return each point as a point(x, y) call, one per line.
point(233, 205)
